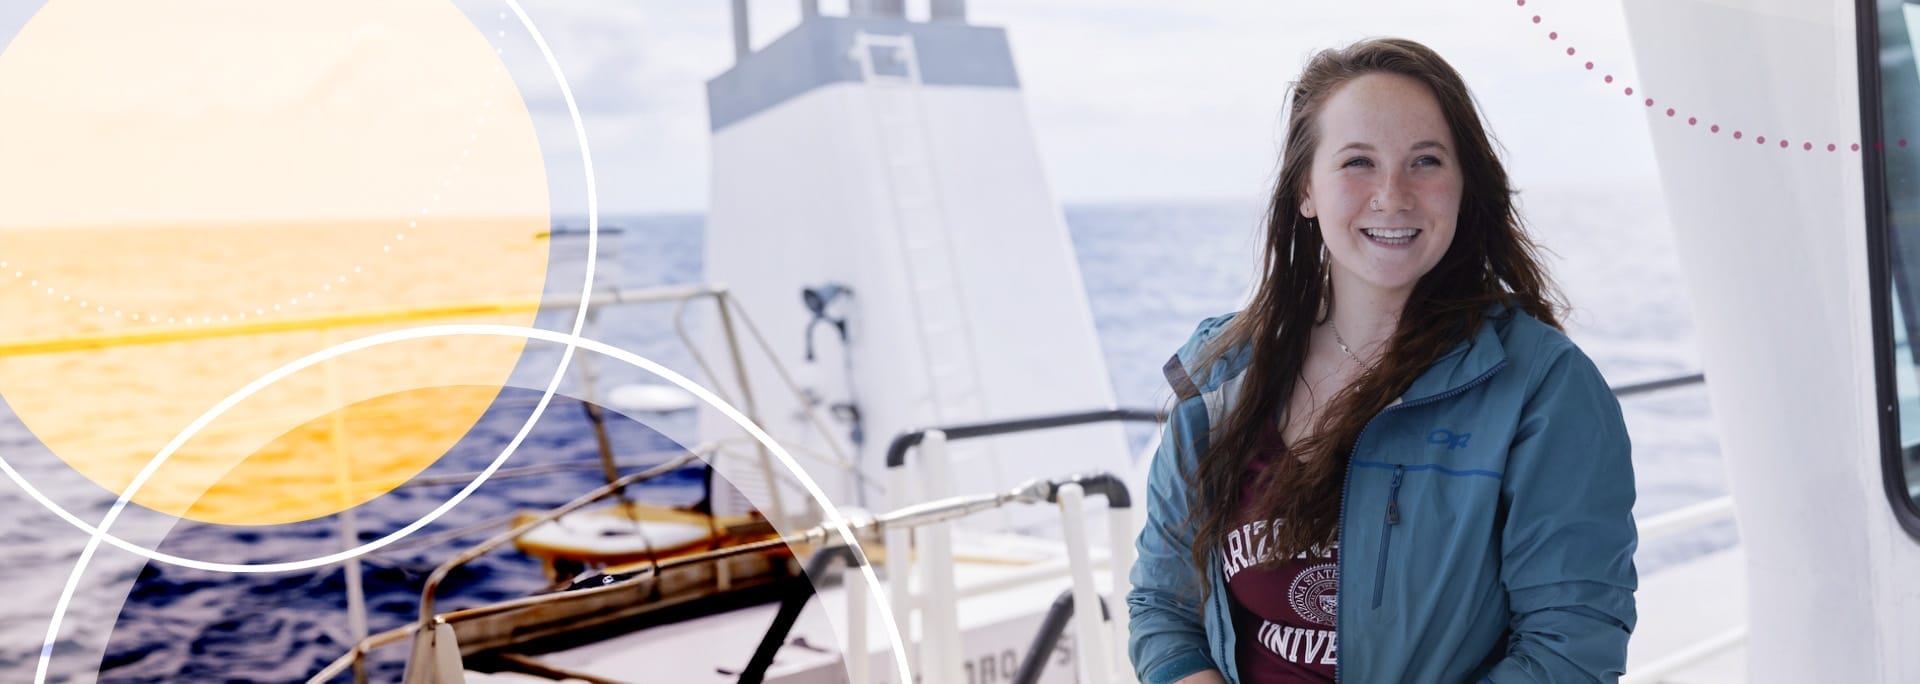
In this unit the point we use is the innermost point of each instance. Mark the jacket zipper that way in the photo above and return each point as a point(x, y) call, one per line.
point(1386, 533)
point(1346, 485)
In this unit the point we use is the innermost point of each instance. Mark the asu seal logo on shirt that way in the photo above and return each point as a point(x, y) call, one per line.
point(1314, 593)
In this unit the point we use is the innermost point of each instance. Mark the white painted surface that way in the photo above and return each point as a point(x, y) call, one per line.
point(1774, 244)
point(818, 190)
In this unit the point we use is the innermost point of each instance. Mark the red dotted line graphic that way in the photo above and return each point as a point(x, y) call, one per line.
point(1694, 121)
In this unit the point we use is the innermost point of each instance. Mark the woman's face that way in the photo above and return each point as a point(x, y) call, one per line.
point(1385, 184)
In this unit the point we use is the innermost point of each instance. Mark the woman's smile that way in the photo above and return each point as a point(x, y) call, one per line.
point(1392, 238)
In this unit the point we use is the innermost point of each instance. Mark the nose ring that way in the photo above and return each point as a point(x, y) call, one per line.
point(1374, 204)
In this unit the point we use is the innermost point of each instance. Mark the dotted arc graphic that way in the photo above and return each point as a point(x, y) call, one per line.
point(1694, 120)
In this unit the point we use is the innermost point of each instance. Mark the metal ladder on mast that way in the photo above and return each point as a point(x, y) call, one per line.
point(891, 69)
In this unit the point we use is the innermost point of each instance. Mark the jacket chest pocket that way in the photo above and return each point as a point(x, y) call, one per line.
point(1413, 524)
point(1389, 520)
point(1377, 523)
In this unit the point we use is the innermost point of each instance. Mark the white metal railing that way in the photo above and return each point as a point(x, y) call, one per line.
point(1101, 652)
point(1686, 518)
point(1681, 659)
point(1095, 651)
point(1667, 524)
point(937, 654)
point(436, 650)
point(1673, 522)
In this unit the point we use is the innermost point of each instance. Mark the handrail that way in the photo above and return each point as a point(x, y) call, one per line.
point(789, 613)
point(360, 650)
point(183, 333)
point(1095, 482)
point(535, 470)
point(1686, 518)
point(908, 517)
point(897, 450)
point(432, 585)
point(439, 573)
point(340, 664)
point(499, 475)
point(1667, 524)
point(1034, 491)
point(1044, 640)
point(1677, 661)
point(1631, 389)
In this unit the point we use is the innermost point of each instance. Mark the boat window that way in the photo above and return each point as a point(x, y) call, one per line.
point(1890, 86)
point(1906, 376)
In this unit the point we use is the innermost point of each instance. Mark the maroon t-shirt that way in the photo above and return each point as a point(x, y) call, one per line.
point(1283, 618)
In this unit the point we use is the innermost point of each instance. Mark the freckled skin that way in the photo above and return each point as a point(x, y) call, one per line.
point(1383, 142)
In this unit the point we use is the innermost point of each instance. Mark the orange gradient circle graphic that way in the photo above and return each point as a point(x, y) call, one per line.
point(196, 192)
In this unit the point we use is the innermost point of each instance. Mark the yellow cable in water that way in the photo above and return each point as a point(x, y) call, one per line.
point(77, 343)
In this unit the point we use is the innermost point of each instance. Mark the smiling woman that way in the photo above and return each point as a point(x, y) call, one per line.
point(1392, 453)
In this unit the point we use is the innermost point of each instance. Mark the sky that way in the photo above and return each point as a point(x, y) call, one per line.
point(1130, 100)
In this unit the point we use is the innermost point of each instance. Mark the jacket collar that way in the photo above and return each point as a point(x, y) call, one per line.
point(1462, 365)
point(1466, 362)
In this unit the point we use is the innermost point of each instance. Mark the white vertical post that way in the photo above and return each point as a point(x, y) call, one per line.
point(1089, 637)
point(349, 529)
point(900, 565)
point(939, 617)
point(356, 590)
point(1120, 557)
point(859, 656)
point(878, 8)
point(740, 46)
point(947, 10)
point(436, 657)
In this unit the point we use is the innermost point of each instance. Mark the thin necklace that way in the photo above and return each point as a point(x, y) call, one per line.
point(1337, 339)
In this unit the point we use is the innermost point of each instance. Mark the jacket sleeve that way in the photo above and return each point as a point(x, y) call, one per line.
point(1569, 536)
point(1167, 640)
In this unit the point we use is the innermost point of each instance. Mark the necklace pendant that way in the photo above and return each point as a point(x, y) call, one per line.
point(1342, 343)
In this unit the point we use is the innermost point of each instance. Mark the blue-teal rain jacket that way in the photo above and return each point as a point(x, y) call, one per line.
point(1511, 558)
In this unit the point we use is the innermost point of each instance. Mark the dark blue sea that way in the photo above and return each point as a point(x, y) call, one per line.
point(1151, 272)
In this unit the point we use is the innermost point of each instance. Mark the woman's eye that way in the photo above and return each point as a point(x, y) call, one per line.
point(1427, 161)
point(1357, 162)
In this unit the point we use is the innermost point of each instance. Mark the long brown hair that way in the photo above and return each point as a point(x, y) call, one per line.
point(1491, 261)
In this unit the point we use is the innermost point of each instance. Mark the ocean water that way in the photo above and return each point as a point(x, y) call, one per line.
point(1151, 271)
